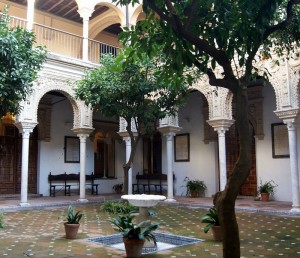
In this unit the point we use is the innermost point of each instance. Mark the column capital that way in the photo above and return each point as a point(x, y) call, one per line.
point(25, 126)
point(83, 131)
point(287, 114)
point(167, 130)
point(85, 12)
point(220, 125)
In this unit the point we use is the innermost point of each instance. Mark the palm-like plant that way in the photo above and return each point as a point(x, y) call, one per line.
point(73, 217)
point(211, 218)
point(124, 224)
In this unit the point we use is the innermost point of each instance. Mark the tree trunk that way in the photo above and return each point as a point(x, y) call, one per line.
point(125, 183)
point(225, 200)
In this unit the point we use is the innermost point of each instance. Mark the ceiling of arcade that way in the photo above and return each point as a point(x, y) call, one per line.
point(67, 9)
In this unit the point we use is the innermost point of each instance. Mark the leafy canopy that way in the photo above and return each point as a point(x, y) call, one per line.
point(20, 62)
point(205, 33)
point(130, 89)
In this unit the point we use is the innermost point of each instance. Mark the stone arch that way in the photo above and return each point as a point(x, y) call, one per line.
point(134, 17)
point(116, 14)
point(219, 99)
point(43, 86)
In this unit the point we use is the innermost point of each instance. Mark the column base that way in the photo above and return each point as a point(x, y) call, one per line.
point(170, 200)
point(22, 204)
point(295, 210)
point(82, 200)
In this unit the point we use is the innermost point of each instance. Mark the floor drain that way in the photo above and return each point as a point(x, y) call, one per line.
point(164, 241)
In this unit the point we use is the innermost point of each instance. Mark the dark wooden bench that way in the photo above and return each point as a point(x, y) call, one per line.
point(145, 183)
point(64, 182)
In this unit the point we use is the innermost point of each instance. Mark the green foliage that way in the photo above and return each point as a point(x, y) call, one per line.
point(211, 218)
point(2, 224)
point(118, 187)
point(267, 187)
point(124, 224)
point(129, 91)
point(195, 185)
point(117, 207)
point(72, 216)
point(20, 62)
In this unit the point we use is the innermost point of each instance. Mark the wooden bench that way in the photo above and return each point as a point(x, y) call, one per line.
point(64, 182)
point(145, 182)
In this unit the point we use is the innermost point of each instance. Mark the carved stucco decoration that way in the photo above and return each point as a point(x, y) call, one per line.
point(285, 81)
point(49, 82)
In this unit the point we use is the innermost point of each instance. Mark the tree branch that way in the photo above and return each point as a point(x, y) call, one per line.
point(191, 13)
point(282, 25)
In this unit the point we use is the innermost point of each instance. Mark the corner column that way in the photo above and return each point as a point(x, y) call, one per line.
point(128, 151)
point(25, 129)
point(82, 133)
point(221, 126)
point(294, 164)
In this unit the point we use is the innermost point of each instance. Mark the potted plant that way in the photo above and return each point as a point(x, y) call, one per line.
point(72, 222)
point(213, 223)
point(134, 235)
point(266, 190)
point(118, 188)
point(195, 188)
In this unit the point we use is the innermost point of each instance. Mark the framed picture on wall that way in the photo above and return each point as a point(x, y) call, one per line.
point(182, 147)
point(72, 149)
point(280, 141)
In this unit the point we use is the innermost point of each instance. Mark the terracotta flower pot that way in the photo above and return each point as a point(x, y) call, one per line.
point(133, 247)
point(71, 230)
point(194, 194)
point(217, 233)
point(265, 197)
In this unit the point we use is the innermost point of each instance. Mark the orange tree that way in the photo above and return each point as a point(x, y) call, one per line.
point(229, 34)
point(20, 62)
point(131, 89)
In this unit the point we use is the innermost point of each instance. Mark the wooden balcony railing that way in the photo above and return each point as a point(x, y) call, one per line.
point(64, 43)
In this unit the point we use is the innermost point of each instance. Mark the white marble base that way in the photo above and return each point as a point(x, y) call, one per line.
point(82, 200)
point(170, 200)
point(295, 209)
point(22, 204)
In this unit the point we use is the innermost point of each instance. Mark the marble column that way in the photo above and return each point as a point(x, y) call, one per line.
point(25, 129)
point(30, 14)
point(294, 164)
point(128, 151)
point(221, 126)
point(82, 138)
point(170, 158)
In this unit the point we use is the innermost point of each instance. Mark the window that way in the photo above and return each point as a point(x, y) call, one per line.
point(152, 154)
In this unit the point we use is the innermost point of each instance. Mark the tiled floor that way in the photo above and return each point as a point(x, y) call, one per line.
point(266, 229)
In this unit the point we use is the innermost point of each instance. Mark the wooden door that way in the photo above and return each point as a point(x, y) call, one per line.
point(11, 161)
point(249, 188)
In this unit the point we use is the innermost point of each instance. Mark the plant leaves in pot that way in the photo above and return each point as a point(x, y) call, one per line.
point(195, 188)
point(267, 189)
point(213, 223)
point(134, 235)
point(71, 223)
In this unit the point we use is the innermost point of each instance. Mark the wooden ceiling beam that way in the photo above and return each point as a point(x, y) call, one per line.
point(53, 6)
point(71, 10)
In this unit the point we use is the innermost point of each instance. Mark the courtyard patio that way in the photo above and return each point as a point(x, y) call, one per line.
point(266, 229)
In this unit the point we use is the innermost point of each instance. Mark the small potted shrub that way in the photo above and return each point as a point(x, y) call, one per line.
point(266, 190)
point(118, 188)
point(134, 235)
point(213, 223)
point(71, 223)
point(195, 188)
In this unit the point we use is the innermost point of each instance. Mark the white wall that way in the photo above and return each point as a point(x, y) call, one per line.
point(51, 154)
point(202, 164)
point(269, 168)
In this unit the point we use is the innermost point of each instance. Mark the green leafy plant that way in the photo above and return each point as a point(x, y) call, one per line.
point(211, 218)
point(72, 216)
point(118, 188)
point(2, 224)
point(118, 207)
point(143, 230)
point(195, 186)
point(267, 187)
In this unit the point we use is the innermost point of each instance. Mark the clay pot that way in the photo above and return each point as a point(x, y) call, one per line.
point(217, 233)
point(194, 194)
point(265, 197)
point(133, 247)
point(71, 230)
